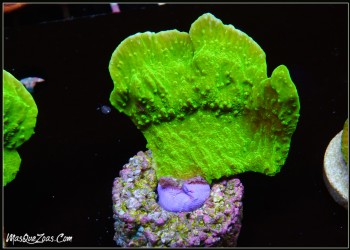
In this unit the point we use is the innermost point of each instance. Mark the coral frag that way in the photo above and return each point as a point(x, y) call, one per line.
point(19, 114)
point(140, 221)
point(212, 83)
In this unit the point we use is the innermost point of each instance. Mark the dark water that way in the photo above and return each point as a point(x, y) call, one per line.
point(68, 166)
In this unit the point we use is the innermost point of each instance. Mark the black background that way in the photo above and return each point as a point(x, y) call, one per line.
point(68, 166)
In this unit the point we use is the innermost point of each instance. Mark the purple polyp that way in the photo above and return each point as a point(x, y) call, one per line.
point(182, 196)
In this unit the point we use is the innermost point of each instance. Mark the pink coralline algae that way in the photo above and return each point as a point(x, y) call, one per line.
point(141, 221)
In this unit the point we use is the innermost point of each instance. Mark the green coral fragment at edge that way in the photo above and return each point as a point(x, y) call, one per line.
point(204, 102)
point(19, 120)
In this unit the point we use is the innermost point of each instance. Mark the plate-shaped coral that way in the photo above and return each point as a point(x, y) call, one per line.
point(20, 112)
point(204, 102)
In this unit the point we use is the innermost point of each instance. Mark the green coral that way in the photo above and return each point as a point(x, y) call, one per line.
point(19, 119)
point(345, 141)
point(204, 102)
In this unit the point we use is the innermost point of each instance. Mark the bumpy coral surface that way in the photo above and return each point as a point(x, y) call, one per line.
point(204, 102)
point(140, 221)
point(19, 113)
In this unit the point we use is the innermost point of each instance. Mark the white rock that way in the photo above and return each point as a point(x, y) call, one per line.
point(336, 172)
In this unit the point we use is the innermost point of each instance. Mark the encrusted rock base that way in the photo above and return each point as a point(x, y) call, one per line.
point(140, 221)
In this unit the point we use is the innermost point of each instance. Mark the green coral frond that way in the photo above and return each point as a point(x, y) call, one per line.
point(20, 112)
point(145, 69)
point(12, 162)
point(19, 120)
point(225, 55)
point(204, 102)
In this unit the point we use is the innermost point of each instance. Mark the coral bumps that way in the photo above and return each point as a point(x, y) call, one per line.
point(19, 117)
point(204, 102)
